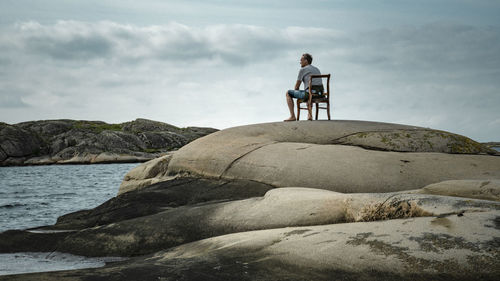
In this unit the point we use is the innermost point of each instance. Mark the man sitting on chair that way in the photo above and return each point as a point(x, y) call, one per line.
point(305, 72)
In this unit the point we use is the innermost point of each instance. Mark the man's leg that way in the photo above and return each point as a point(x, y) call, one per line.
point(309, 112)
point(289, 102)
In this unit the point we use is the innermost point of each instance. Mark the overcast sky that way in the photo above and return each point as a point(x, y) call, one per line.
point(430, 63)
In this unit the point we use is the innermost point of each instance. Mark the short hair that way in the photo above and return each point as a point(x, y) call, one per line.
point(308, 57)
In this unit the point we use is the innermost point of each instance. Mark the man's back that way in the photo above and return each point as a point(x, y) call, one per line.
point(304, 74)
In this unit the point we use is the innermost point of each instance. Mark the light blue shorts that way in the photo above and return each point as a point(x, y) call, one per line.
point(301, 94)
point(298, 94)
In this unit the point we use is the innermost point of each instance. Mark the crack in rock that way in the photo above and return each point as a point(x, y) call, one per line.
point(241, 156)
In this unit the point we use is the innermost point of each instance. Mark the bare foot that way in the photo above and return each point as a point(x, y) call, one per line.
point(310, 118)
point(290, 119)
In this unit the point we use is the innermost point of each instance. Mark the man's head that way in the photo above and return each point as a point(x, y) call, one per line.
point(306, 59)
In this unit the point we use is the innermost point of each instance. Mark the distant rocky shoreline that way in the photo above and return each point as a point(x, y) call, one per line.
point(491, 144)
point(90, 142)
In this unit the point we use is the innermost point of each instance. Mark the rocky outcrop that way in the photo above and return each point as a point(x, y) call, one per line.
point(17, 143)
point(75, 142)
point(342, 156)
point(336, 200)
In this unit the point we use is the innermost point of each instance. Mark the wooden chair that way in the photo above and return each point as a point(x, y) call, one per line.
point(316, 99)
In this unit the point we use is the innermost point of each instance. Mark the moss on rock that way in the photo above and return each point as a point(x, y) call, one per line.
point(419, 140)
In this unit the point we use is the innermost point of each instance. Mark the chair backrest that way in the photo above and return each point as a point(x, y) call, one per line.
point(327, 76)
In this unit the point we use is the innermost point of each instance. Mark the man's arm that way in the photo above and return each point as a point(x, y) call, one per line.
point(297, 85)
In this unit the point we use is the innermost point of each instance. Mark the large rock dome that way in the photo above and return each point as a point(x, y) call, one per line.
point(342, 156)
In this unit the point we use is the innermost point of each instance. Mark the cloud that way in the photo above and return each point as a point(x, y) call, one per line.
point(71, 40)
point(224, 75)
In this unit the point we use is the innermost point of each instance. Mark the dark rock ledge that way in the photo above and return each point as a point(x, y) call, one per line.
point(88, 142)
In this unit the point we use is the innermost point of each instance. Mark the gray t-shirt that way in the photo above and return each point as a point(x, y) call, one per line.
point(304, 74)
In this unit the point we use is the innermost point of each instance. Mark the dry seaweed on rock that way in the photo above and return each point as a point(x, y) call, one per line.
point(387, 210)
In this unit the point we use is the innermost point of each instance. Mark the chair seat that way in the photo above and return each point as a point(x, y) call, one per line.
point(315, 99)
point(319, 99)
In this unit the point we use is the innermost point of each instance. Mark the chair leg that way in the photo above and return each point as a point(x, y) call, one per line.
point(317, 110)
point(298, 110)
point(328, 109)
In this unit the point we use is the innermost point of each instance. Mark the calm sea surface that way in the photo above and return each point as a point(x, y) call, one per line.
point(36, 195)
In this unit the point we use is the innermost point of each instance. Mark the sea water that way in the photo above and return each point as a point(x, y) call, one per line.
point(34, 196)
point(29, 262)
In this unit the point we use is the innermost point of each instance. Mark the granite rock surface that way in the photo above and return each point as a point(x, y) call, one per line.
point(342, 156)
